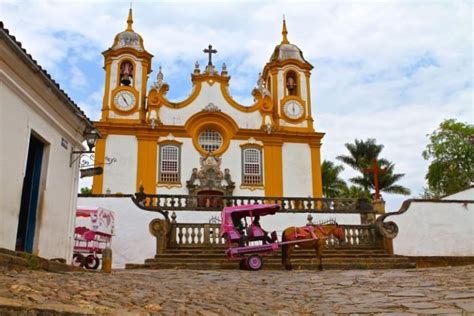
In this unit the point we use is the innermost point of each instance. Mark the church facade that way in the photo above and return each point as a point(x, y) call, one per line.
point(207, 143)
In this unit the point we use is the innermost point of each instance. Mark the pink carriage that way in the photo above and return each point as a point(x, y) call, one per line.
point(249, 256)
point(239, 248)
point(93, 233)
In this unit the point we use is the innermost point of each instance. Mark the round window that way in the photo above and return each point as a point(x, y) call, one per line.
point(210, 140)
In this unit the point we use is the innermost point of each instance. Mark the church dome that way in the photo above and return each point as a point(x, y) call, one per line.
point(285, 50)
point(128, 38)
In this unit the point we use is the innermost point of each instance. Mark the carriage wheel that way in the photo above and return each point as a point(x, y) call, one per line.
point(78, 260)
point(92, 262)
point(254, 262)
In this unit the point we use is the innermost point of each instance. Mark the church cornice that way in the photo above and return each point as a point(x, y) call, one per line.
point(110, 53)
point(143, 131)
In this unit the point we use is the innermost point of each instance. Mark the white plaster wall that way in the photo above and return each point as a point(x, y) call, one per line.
point(467, 194)
point(297, 175)
point(435, 229)
point(133, 116)
point(113, 80)
point(23, 111)
point(210, 94)
point(121, 176)
point(304, 93)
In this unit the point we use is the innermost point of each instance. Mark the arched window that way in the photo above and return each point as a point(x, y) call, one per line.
point(291, 83)
point(252, 166)
point(169, 164)
point(126, 73)
point(210, 140)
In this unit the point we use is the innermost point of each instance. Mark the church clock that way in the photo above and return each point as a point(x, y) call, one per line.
point(293, 109)
point(125, 100)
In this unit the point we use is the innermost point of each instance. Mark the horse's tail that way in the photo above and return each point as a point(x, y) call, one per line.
point(284, 249)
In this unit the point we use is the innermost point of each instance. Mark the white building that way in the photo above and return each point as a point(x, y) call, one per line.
point(40, 126)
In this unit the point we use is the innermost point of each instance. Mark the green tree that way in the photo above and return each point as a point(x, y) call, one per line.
point(333, 185)
point(356, 192)
point(86, 191)
point(361, 154)
point(452, 153)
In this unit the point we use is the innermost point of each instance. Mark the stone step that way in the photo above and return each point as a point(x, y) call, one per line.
point(210, 256)
point(330, 250)
point(278, 259)
point(276, 266)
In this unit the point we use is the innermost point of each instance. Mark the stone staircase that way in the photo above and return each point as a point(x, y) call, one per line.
point(337, 258)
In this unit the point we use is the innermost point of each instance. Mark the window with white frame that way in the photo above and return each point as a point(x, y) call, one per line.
point(251, 166)
point(210, 140)
point(169, 164)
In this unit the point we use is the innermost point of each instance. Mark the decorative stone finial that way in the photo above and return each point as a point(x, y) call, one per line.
point(173, 217)
point(224, 70)
point(129, 20)
point(310, 219)
point(197, 70)
point(261, 86)
point(284, 32)
point(159, 80)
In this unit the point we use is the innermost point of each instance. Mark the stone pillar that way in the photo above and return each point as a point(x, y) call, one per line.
point(379, 206)
point(160, 229)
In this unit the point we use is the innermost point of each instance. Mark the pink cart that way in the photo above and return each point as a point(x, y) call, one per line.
point(93, 233)
point(249, 256)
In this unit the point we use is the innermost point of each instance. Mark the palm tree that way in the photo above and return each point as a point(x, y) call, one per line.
point(361, 154)
point(387, 179)
point(355, 192)
point(333, 185)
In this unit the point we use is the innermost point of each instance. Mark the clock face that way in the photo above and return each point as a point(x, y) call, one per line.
point(124, 100)
point(293, 109)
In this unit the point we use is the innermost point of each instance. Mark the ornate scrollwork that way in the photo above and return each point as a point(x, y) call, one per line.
point(387, 230)
point(89, 161)
point(145, 203)
point(390, 229)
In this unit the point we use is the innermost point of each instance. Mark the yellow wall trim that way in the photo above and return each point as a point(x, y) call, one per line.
point(316, 170)
point(146, 165)
point(273, 167)
point(99, 157)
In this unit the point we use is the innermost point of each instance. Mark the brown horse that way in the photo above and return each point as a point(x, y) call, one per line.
point(318, 233)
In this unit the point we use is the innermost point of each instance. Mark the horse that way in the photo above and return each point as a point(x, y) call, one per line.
point(318, 233)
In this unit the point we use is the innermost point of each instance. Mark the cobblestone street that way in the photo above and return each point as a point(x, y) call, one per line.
point(447, 290)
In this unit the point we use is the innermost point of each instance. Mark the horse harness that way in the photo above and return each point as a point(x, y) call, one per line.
point(310, 229)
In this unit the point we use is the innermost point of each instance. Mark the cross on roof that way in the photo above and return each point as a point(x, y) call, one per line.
point(376, 171)
point(210, 51)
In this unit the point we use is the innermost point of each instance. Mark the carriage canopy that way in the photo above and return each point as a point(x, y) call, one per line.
point(237, 212)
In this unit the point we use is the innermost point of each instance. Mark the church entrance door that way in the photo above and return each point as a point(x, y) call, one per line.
point(29, 197)
point(208, 201)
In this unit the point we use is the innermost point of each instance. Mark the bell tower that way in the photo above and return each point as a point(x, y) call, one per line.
point(127, 65)
point(287, 77)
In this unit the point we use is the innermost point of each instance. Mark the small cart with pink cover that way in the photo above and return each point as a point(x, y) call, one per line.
point(249, 256)
point(92, 234)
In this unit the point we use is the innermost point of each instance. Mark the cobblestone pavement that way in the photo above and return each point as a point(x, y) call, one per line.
point(447, 290)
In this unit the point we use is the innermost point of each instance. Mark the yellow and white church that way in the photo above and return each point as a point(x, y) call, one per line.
point(207, 143)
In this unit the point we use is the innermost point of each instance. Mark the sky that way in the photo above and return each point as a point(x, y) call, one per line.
point(389, 70)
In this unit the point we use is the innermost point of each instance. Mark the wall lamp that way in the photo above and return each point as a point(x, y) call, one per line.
point(91, 136)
